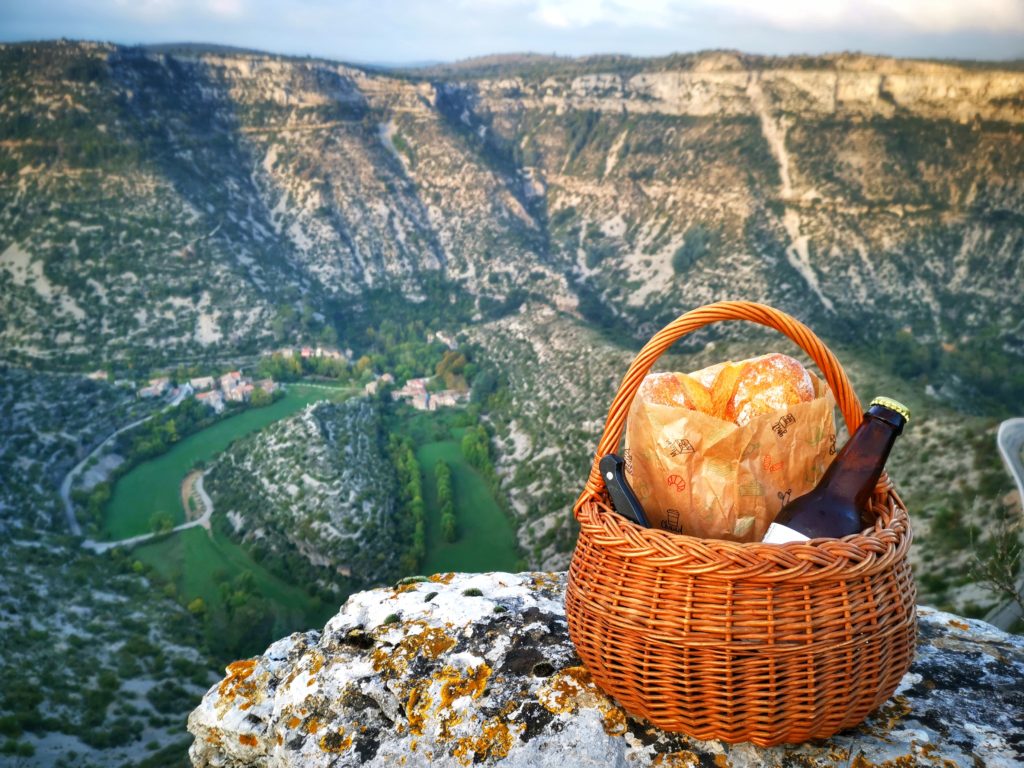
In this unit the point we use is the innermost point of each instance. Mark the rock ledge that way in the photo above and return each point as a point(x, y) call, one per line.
point(463, 669)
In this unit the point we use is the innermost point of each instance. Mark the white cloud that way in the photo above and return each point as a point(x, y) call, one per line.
point(568, 14)
point(928, 16)
point(151, 11)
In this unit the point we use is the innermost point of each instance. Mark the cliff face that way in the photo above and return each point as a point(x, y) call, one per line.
point(465, 669)
point(854, 189)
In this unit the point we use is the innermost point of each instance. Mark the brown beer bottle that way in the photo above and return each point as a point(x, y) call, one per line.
point(832, 509)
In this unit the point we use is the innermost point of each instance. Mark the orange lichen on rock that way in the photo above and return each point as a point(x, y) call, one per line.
point(336, 741)
point(238, 672)
point(613, 719)
point(566, 689)
point(430, 642)
point(570, 689)
point(293, 721)
point(454, 685)
point(684, 759)
point(442, 578)
point(494, 742)
point(888, 716)
point(962, 625)
point(248, 739)
point(238, 684)
point(312, 725)
point(316, 662)
point(417, 707)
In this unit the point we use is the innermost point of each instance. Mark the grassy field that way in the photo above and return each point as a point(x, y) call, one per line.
point(486, 541)
point(154, 486)
point(197, 565)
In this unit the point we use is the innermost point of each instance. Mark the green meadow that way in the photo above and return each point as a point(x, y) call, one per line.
point(154, 485)
point(486, 539)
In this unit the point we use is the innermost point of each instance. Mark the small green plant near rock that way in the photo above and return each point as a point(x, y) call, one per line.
point(472, 592)
point(429, 596)
point(391, 618)
point(411, 580)
point(19, 748)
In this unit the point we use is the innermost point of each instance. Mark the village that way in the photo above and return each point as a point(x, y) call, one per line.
point(234, 387)
point(213, 391)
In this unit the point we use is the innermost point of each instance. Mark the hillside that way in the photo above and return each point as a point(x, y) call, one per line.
point(878, 200)
point(193, 204)
point(861, 193)
point(312, 497)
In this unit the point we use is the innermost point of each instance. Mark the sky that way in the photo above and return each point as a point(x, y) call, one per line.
point(411, 31)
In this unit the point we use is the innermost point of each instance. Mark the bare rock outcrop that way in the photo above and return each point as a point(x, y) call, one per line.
point(478, 669)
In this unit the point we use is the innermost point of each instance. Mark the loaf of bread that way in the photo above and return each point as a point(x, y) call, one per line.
point(717, 452)
point(734, 391)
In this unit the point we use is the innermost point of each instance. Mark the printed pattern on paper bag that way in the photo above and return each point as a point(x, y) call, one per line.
point(781, 427)
point(752, 448)
point(751, 489)
point(723, 468)
point(678, 447)
point(676, 482)
point(627, 458)
point(771, 466)
point(671, 521)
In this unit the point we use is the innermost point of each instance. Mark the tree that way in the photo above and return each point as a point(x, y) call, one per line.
point(161, 522)
point(197, 607)
point(260, 397)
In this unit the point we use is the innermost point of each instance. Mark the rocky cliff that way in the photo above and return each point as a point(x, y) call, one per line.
point(862, 192)
point(464, 669)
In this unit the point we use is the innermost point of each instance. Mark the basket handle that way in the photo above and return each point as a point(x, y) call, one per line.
point(803, 336)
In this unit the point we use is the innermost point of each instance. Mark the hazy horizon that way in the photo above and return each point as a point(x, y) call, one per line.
point(404, 33)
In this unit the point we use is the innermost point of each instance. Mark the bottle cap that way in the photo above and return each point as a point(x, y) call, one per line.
point(893, 405)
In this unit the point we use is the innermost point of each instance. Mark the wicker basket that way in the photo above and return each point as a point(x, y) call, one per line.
point(741, 642)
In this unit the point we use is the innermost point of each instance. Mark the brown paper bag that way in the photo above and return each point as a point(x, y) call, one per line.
point(707, 477)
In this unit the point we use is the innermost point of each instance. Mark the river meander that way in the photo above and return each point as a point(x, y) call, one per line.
point(197, 564)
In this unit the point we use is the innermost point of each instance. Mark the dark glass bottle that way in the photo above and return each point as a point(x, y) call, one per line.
point(832, 509)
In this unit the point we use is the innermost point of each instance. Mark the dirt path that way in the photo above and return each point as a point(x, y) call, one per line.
point(194, 483)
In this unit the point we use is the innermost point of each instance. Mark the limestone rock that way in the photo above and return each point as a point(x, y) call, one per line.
point(464, 669)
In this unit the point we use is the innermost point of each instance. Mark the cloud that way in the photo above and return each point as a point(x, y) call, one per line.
point(156, 11)
point(926, 16)
point(570, 14)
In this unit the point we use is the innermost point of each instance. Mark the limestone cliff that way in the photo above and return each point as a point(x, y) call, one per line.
point(860, 191)
point(462, 669)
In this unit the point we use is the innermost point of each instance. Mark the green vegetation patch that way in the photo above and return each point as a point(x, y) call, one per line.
point(486, 539)
point(153, 488)
point(242, 605)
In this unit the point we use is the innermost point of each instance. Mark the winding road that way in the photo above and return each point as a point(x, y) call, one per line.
point(1010, 440)
point(102, 546)
point(69, 478)
point(201, 522)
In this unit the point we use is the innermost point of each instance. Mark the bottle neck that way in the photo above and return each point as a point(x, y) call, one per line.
point(856, 469)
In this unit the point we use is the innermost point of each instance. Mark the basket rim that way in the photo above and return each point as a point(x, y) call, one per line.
point(854, 556)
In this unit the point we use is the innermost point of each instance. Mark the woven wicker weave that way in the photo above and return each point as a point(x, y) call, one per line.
point(741, 642)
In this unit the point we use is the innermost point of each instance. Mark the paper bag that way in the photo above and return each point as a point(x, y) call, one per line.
point(707, 477)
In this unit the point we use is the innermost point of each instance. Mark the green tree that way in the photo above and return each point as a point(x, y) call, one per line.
point(197, 607)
